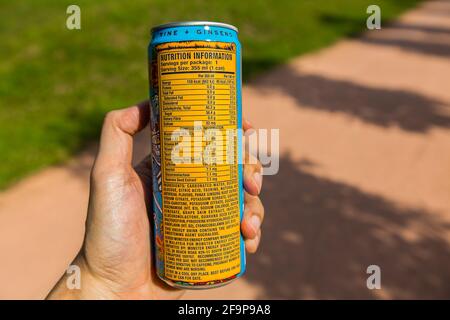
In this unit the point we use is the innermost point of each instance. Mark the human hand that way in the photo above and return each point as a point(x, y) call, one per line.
point(116, 258)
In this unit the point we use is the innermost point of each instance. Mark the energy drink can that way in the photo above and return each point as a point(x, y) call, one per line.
point(196, 122)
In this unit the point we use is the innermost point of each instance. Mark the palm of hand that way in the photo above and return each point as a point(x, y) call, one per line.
point(123, 256)
point(116, 256)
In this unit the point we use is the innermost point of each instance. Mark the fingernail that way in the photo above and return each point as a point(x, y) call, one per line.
point(255, 221)
point(257, 177)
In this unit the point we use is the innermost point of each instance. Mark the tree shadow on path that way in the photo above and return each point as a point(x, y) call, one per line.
point(389, 36)
point(321, 235)
point(382, 107)
point(437, 49)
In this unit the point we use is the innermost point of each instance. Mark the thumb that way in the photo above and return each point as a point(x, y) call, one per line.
point(116, 141)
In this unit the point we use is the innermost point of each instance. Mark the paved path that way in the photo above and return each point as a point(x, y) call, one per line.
point(364, 177)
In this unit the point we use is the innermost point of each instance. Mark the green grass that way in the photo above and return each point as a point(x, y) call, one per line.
point(57, 84)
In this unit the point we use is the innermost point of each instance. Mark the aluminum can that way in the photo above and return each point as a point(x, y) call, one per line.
point(196, 125)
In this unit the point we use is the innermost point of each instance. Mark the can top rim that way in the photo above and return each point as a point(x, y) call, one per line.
point(193, 23)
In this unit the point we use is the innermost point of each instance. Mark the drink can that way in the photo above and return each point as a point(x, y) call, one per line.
point(196, 124)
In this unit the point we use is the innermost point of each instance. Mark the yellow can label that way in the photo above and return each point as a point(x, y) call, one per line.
point(200, 197)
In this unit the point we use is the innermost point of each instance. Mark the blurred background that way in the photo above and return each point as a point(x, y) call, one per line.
point(364, 119)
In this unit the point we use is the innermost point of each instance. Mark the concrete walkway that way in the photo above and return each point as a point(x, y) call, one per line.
point(364, 177)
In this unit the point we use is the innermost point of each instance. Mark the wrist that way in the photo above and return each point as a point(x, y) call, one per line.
point(89, 288)
point(95, 287)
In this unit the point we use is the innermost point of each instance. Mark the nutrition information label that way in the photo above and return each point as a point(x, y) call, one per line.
point(201, 209)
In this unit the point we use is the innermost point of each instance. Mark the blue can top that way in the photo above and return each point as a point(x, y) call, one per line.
point(194, 30)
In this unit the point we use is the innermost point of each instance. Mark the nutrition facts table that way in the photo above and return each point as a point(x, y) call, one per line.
point(198, 117)
point(199, 102)
point(198, 95)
